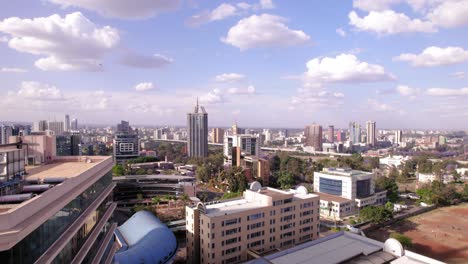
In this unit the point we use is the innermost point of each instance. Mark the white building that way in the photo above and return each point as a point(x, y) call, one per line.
point(393, 161)
point(57, 127)
point(243, 144)
point(426, 177)
point(343, 191)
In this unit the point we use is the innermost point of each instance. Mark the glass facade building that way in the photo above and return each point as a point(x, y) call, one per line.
point(330, 186)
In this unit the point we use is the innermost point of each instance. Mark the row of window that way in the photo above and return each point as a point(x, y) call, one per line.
point(255, 216)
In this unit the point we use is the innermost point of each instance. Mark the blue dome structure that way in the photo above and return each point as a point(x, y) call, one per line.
point(144, 239)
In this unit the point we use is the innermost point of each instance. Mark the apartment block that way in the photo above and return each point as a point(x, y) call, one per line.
point(264, 219)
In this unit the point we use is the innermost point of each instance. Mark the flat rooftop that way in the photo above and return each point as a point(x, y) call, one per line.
point(59, 169)
point(344, 172)
point(155, 176)
point(232, 206)
point(330, 197)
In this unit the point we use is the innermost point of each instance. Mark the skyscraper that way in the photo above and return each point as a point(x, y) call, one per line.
point(56, 127)
point(5, 133)
point(218, 135)
point(370, 129)
point(197, 128)
point(313, 134)
point(40, 125)
point(74, 124)
point(126, 143)
point(354, 132)
point(67, 123)
point(398, 137)
point(331, 134)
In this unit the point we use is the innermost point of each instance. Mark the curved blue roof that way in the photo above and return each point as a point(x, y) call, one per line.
point(148, 240)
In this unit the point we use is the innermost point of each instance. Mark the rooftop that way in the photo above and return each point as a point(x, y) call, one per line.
point(344, 172)
point(59, 169)
point(334, 198)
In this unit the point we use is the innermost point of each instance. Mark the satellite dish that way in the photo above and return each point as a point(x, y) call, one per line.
point(302, 190)
point(255, 186)
point(393, 247)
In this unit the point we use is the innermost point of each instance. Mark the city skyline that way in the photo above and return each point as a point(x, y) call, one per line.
point(323, 62)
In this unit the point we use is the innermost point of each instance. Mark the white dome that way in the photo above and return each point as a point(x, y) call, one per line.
point(255, 186)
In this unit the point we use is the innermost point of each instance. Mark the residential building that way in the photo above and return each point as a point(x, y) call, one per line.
point(331, 134)
point(40, 125)
point(371, 136)
point(345, 247)
point(68, 220)
point(126, 143)
point(5, 133)
point(197, 128)
point(67, 123)
point(56, 127)
point(218, 135)
point(354, 132)
point(313, 136)
point(236, 146)
point(398, 137)
point(344, 191)
point(263, 219)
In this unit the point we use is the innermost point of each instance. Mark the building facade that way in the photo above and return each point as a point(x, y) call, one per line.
point(371, 136)
point(5, 133)
point(313, 136)
point(197, 128)
point(56, 126)
point(398, 137)
point(331, 134)
point(265, 219)
point(126, 143)
point(69, 219)
point(40, 125)
point(218, 135)
point(239, 145)
point(354, 132)
point(344, 191)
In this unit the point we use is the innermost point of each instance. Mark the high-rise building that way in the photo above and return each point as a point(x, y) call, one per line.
point(370, 129)
point(40, 125)
point(74, 124)
point(354, 132)
point(67, 220)
point(197, 128)
point(218, 135)
point(56, 127)
point(268, 136)
point(398, 137)
point(67, 123)
point(331, 134)
point(264, 219)
point(126, 143)
point(313, 136)
point(68, 145)
point(5, 133)
point(237, 145)
point(340, 136)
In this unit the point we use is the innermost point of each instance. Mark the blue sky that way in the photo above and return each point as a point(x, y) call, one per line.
point(262, 63)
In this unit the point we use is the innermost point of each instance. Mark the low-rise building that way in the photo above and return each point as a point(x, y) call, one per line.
point(263, 219)
point(344, 191)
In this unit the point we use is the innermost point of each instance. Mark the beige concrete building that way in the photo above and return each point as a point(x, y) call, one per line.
point(218, 135)
point(40, 148)
point(264, 219)
point(62, 214)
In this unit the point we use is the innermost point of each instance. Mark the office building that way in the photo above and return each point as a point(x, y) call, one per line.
point(12, 163)
point(237, 146)
point(159, 133)
point(126, 143)
point(398, 137)
point(341, 136)
point(218, 135)
point(68, 145)
point(345, 247)
point(313, 136)
point(371, 136)
point(354, 132)
point(40, 148)
point(74, 124)
point(197, 128)
point(5, 133)
point(67, 123)
point(68, 220)
point(331, 134)
point(56, 127)
point(40, 125)
point(263, 219)
point(344, 191)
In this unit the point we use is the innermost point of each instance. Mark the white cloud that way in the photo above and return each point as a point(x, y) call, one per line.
point(267, 4)
point(389, 22)
point(342, 69)
point(4, 39)
point(144, 86)
point(36, 90)
point(459, 75)
point(213, 97)
point(229, 77)
point(143, 61)
point(243, 5)
point(450, 13)
point(338, 95)
point(341, 32)
point(435, 56)
point(219, 13)
point(447, 92)
point(69, 43)
point(13, 70)
point(380, 106)
point(407, 91)
point(374, 5)
point(126, 9)
point(249, 90)
point(258, 31)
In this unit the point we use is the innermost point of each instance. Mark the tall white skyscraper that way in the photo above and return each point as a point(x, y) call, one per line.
point(67, 123)
point(398, 137)
point(370, 128)
point(74, 124)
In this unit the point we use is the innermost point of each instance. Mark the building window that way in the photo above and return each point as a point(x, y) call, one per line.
point(330, 186)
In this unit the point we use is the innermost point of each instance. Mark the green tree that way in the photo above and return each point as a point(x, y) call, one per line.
point(140, 172)
point(465, 193)
point(393, 174)
point(118, 170)
point(139, 196)
point(275, 163)
point(384, 183)
point(236, 179)
point(405, 241)
point(389, 206)
point(375, 214)
point(202, 173)
point(156, 200)
point(286, 180)
point(456, 176)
